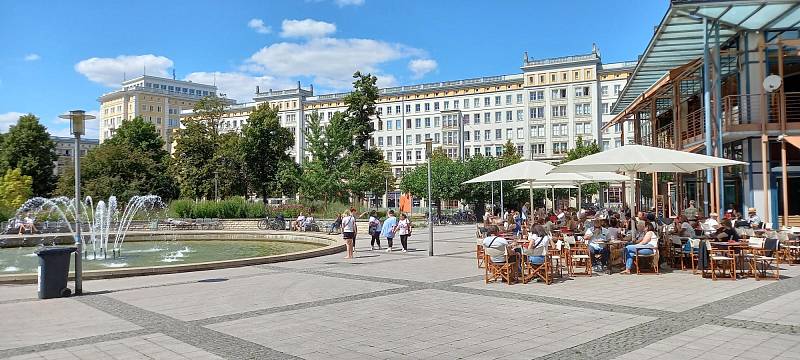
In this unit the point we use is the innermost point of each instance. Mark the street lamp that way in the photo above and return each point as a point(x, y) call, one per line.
point(77, 127)
point(428, 153)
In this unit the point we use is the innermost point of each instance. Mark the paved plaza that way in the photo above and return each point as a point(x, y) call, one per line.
point(404, 306)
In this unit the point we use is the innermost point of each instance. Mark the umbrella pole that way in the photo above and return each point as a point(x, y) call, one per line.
point(579, 196)
point(632, 198)
point(530, 193)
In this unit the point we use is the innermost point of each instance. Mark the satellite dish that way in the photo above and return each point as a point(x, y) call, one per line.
point(772, 83)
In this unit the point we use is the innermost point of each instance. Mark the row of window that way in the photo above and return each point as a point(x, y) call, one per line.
point(576, 76)
point(451, 137)
point(617, 90)
point(457, 104)
point(178, 89)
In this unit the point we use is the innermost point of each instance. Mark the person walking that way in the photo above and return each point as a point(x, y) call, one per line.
point(374, 230)
point(404, 230)
point(388, 230)
point(349, 232)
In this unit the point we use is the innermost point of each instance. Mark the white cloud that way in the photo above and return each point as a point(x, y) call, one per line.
point(330, 62)
point(61, 126)
point(32, 57)
point(386, 80)
point(343, 3)
point(420, 67)
point(110, 71)
point(308, 28)
point(240, 86)
point(258, 26)
point(8, 119)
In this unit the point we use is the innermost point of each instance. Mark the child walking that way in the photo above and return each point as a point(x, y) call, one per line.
point(404, 230)
point(388, 230)
point(374, 230)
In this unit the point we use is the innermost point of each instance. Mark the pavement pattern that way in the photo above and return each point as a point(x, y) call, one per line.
point(404, 306)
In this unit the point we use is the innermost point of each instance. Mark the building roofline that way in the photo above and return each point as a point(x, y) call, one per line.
point(187, 82)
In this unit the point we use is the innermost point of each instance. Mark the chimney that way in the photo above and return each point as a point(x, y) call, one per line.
point(298, 85)
point(312, 89)
point(257, 89)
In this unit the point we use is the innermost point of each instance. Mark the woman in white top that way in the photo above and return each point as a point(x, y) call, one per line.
point(404, 230)
point(646, 246)
point(349, 231)
point(539, 242)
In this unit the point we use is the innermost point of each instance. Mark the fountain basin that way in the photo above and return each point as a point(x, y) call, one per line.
point(299, 246)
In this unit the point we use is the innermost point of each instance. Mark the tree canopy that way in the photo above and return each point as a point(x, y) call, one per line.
point(264, 145)
point(27, 146)
point(133, 162)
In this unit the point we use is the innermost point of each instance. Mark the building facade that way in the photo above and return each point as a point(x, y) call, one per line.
point(157, 100)
point(542, 111)
point(65, 149)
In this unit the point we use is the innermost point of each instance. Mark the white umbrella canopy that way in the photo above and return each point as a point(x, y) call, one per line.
point(527, 185)
point(631, 159)
point(525, 170)
point(641, 158)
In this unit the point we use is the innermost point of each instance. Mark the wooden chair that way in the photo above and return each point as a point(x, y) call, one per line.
point(762, 259)
point(498, 270)
point(693, 255)
point(579, 256)
point(654, 260)
point(480, 253)
point(532, 271)
point(722, 261)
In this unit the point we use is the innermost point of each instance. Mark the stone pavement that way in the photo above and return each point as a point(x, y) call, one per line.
point(404, 306)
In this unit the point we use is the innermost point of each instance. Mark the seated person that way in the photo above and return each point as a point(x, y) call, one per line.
point(336, 225)
point(27, 224)
point(308, 222)
point(296, 225)
point(726, 232)
point(495, 241)
point(646, 246)
point(614, 231)
point(711, 223)
point(754, 219)
point(592, 237)
point(682, 227)
point(539, 242)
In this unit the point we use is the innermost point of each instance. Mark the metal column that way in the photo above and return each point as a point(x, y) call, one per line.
point(707, 112)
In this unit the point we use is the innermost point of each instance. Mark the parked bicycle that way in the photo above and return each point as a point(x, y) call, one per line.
point(269, 223)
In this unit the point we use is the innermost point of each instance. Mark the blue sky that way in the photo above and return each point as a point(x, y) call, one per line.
point(61, 55)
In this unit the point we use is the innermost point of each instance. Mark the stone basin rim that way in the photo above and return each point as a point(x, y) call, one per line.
point(332, 244)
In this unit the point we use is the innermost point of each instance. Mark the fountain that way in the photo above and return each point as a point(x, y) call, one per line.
point(104, 224)
point(149, 248)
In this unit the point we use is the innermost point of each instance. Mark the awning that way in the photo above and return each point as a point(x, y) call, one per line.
point(679, 37)
point(794, 140)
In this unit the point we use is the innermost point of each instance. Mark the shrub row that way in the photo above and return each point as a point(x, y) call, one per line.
point(232, 208)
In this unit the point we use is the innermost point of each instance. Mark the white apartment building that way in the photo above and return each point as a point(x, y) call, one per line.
point(542, 111)
point(612, 80)
point(156, 99)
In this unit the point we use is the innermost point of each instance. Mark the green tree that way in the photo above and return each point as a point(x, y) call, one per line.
point(209, 110)
point(133, 162)
point(27, 146)
point(15, 189)
point(478, 194)
point(229, 164)
point(446, 178)
point(265, 144)
point(580, 150)
point(358, 119)
point(323, 177)
point(192, 163)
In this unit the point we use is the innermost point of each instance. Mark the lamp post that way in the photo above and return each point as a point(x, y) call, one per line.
point(428, 153)
point(77, 127)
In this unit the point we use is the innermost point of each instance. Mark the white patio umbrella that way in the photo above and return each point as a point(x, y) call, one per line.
point(547, 186)
point(526, 170)
point(630, 159)
point(579, 179)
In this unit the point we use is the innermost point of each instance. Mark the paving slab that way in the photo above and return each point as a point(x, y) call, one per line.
point(427, 323)
point(784, 309)
point(717, 342)
point(52, 320)
point(151, 346)
point(194, 301)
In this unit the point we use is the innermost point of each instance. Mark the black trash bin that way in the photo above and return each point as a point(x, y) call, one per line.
point(54, 271)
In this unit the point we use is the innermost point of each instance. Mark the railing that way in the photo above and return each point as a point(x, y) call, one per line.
point(695, 125)
point(664, 137)
point(747, 109)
